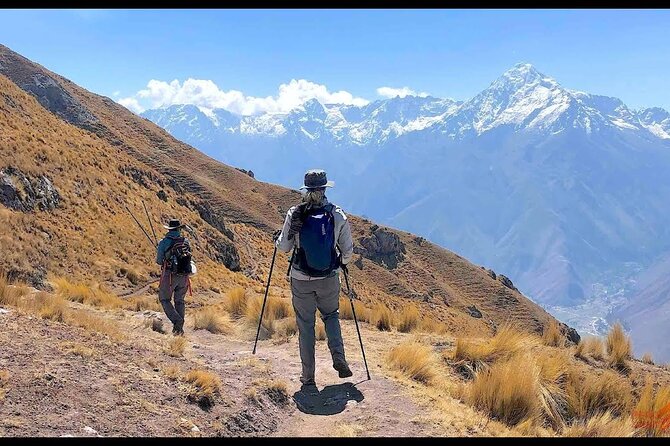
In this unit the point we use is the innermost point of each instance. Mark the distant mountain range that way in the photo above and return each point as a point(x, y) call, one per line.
point(561, 190)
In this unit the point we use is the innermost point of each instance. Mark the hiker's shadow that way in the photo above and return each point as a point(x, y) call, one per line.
point(329, 401)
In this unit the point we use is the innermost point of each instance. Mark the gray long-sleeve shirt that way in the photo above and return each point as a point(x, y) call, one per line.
point(344, 241)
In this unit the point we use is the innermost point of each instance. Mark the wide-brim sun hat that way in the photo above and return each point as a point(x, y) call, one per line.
point(173, 224)
point(316, 178)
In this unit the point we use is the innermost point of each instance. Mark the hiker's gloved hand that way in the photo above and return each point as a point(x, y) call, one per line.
point(296, 220)
point(276, 235)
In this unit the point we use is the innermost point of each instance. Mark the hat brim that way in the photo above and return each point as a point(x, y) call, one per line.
point(173, 227)
point(328, 184)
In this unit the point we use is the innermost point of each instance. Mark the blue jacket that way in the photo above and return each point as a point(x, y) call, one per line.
point(165, 244)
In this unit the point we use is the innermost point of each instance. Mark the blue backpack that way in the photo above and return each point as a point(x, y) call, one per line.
point(317, 255)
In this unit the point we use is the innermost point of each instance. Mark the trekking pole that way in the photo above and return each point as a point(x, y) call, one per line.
point(141, 227)
point(150, 224)
point(267, 288)
point(353, 310)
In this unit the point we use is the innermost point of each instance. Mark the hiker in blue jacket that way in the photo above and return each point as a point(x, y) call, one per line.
point(175, 270)
point(321, 235)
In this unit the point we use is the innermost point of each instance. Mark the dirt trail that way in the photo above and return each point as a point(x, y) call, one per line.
point(340, 407)
point(141, 401)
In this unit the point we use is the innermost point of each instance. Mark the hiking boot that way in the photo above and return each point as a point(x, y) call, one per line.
point(342, 368)
point(178, 329)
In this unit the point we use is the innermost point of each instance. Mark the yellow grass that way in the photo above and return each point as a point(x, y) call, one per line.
point(176, 346)
point(619, 348)
point(428, 324)
point(473, 355)
point(592, 346)
point(602, 425)
point(275, 308)
point(647, 358)
point(552, 335)
point(94, 295)
point(206, 386)
point(8, 296)
point(408, 319)
point(508, 391)
point(144, 303)
point(51, 307)
point(588, 394)
point(362, 313)
point(285, 328)
point(236, 302)
point(319, 330)
point(652, 411)
point(415, 360)
point(553, 374)
point(213, 321)
point(381, 317)
point(172, 372)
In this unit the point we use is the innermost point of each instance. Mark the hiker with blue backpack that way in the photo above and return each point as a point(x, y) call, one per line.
point(321, 236)
point(173, 254)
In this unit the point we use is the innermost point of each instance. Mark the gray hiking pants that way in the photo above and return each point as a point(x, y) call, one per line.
point(308, 295)
point(177, 285)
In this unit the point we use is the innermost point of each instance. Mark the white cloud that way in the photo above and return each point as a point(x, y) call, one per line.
point(116, 93)
point(131, 104)
point(390, 92)
point(207, 95)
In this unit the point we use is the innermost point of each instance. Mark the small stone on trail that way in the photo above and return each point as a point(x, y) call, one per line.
point(3, 311)
point(90, 430)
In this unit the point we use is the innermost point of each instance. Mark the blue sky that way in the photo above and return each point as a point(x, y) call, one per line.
point(446, 53)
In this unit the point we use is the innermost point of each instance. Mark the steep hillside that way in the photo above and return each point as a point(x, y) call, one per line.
point(99, 157)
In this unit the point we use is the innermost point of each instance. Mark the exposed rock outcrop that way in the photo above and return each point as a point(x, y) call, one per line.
point(20, 192)
point(382, 247)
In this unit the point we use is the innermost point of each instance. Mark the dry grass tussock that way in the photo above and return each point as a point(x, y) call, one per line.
point(507, 394)
point(619, 348)
point(592, 346)
point(175, 347)
point(408, 319)
point(214, 321)
point(142, 303)
point(319, 330)
point(275, 308)
point(172, 372)
point(362, 312)
point(94, 294)
point(235, 302)
point(414, 360)
point(206, 387)
point(428, 324)
point(6, 293)
point(474, 355)
point(51, 307)
point(652, 412)
point(601, 425)
point(285, 328)
point(381, 317)
point(588, 395)
point(647, 358)
point(552, 335)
